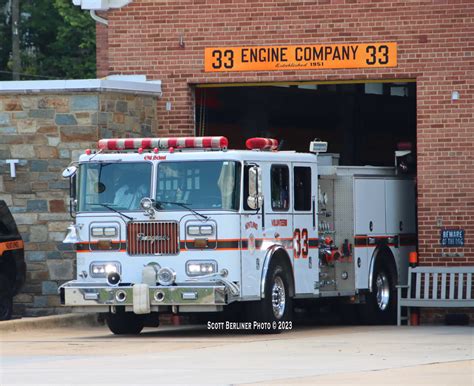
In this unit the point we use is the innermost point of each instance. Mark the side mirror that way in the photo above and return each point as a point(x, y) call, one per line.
point(69, 171)
point(255, 198)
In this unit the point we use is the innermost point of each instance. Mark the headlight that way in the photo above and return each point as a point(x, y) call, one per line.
point(199, 268)
point(104, 231)
point(200, 230)
point(193, 230)
point(102, 269)
point(97, 232)
point(206, 230)
point(110, 232)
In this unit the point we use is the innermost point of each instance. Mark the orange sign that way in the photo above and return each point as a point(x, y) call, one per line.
point(300, 57)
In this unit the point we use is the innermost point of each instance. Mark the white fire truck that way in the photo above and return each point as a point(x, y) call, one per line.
point(185, 225)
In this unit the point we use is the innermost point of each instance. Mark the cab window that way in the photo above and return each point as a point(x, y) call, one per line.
point(302, 188)
point(117, 185)
point(246, 187)
point(279, 178)
point(198, 184)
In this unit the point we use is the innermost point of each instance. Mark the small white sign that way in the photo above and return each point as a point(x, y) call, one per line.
point(12, 163)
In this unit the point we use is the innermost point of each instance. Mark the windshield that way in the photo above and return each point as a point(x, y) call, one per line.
point(119, 185)
point(199, 184)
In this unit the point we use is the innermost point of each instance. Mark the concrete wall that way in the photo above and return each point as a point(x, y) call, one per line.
point(45, 131)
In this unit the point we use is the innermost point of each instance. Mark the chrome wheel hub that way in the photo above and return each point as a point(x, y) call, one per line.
point(278, 298)
point(383, 291)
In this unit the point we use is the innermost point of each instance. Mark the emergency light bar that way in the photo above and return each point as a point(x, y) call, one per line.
point(163, 143)
point(261, 144)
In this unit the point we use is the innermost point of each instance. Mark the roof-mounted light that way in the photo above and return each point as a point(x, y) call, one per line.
point(318, 147)
point(163, 143)
point(261, 144)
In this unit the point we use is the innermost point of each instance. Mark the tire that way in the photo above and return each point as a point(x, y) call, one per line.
point(6, 298)
point(381, 303)
point(125, 323)
point(276, 306)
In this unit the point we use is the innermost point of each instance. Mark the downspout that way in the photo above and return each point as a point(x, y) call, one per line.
point(97, 18)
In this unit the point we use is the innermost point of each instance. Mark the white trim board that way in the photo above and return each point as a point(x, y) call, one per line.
point(134, 84)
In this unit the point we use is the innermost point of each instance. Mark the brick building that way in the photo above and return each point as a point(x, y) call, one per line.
point(423, 94)
point(435, 55)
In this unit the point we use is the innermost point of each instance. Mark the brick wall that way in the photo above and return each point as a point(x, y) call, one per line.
point(45, 132)
point(435, 44)
point(101, 47)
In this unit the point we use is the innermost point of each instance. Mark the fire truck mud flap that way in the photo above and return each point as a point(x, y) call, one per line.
point(141, 296)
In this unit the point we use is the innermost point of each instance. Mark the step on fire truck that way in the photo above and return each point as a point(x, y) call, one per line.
point(185, 225)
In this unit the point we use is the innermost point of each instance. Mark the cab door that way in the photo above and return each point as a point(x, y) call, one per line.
point(305, 258)
point(278, 207)
point(252, 227)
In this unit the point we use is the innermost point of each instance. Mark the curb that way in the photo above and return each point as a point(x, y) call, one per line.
point(53, 321)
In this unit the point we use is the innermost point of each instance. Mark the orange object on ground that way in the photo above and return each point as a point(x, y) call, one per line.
point(415, 318)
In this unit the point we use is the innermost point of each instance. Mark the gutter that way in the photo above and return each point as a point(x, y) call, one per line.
point(100, 5)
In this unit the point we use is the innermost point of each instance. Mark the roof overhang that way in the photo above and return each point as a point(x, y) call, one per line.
point(130, 84)
point(101, 5)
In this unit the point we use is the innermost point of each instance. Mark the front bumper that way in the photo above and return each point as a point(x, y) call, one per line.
point(75, 293)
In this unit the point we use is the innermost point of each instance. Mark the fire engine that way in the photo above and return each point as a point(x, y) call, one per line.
point(186, 225)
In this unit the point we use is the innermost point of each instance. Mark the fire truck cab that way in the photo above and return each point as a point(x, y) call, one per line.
point(185, 225)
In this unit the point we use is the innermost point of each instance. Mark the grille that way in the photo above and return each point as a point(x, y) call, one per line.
point(152, 238)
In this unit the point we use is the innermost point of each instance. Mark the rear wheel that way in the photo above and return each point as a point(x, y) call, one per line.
point(276, 306)
point(6, 298)
point(125, 323)
point(382, 291)
point(381, 303)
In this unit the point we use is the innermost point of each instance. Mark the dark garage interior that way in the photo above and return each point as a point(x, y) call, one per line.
point(363, 122)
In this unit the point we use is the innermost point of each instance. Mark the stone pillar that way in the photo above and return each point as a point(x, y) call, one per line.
point(46, 131)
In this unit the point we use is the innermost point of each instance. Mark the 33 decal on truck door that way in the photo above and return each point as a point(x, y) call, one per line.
point(300, 243)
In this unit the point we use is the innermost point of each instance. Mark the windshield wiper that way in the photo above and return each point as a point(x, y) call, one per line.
point(158, 205)
point(112, 209)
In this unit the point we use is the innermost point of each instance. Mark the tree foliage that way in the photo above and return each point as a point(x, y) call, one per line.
point(5, 39)
point(57, 40)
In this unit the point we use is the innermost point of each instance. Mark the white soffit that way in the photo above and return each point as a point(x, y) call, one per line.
point(131, 84)
point(101, 5)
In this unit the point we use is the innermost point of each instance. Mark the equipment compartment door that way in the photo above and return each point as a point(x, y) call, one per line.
point(369, 206)
point(400, 204)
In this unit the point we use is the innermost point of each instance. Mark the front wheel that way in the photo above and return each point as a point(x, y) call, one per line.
point(276, 307)
point(381, 303)
point(125, 323)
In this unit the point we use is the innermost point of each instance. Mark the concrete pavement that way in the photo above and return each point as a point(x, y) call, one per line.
point(451, 373)
point(189, 355)
point(53, 321)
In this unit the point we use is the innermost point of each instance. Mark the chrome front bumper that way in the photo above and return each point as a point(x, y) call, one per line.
point(75, 293)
